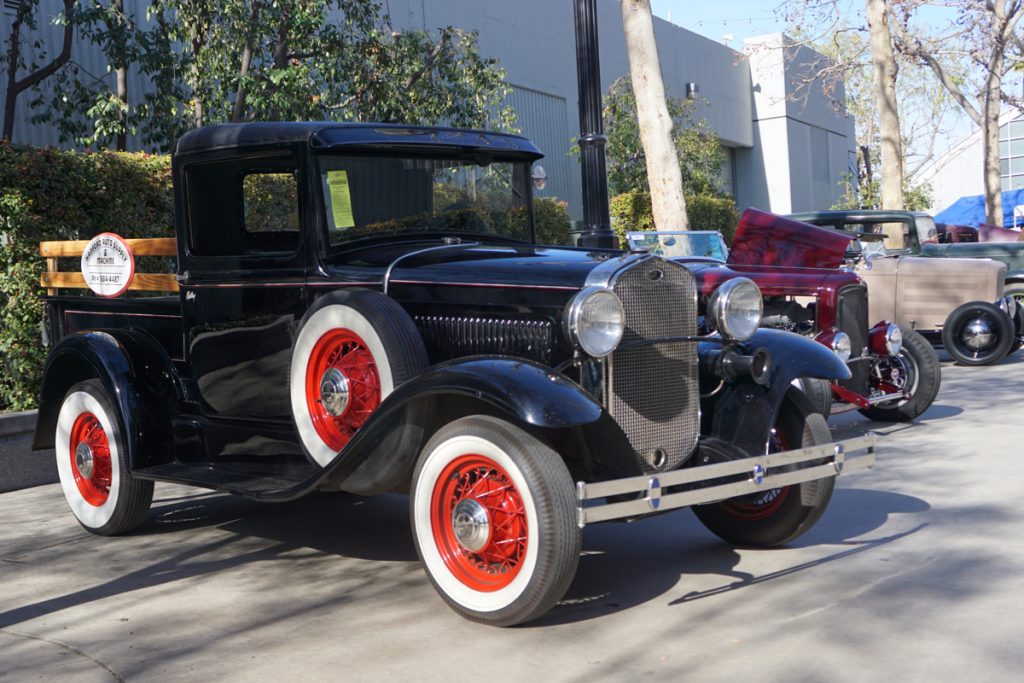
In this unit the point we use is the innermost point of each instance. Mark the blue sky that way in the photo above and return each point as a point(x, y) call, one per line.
point(741, 18)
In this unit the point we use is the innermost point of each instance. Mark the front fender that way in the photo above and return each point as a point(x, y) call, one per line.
point(744, 413)
point(383, 452)
point(138, 377)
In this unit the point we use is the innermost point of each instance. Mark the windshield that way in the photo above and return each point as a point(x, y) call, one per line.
point(366, 196)
point(677, 244)
point(927, 233)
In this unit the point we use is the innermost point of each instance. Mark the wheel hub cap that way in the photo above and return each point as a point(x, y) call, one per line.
point(471, 525)
point(334, 392)
point(977, 334)
point(84, 460)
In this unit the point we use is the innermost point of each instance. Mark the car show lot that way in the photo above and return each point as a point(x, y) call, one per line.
point(914, 573)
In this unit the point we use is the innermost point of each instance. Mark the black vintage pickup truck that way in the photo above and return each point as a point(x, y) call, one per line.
point(362, 308)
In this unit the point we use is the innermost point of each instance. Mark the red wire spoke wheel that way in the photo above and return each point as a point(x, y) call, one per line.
point(90, 459)
point(493, 514)
point(354, 347)
point(761, 505)
point(479, 522)
point(774, 517)
point(92, 463)
point(342, 386)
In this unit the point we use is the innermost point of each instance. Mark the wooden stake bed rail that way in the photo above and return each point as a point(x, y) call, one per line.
point(150, 282)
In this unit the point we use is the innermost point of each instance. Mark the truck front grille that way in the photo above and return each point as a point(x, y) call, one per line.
point(852, 318)
point(654, 393)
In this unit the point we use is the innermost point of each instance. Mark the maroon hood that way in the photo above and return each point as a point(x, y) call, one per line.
point(765, 239)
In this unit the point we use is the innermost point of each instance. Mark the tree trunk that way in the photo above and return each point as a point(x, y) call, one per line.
point(884, 65)
point(238, 111)
point(990, 146)
point(121, 72)
point(14, 86)
point(663, 172)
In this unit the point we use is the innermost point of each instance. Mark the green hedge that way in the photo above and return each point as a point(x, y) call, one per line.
point(47, 194)
point(551, 220)
point(631, 211)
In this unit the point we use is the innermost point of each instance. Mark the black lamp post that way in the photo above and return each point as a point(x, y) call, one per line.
point(597, 231)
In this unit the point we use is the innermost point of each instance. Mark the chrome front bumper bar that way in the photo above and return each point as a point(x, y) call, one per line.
point(805, 464)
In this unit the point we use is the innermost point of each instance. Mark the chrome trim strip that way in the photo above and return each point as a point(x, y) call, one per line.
point(391, 266)
point(565, 288)
point(650, 488)
point(128, 315)
point(606, 274)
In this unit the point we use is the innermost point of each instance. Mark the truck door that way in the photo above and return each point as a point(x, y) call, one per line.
point(243, 277)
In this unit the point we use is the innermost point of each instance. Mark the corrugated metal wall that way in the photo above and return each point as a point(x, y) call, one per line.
point(543, 118)
point(85, 57)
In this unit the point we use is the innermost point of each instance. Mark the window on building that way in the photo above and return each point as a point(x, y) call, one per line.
point(11, 8)
point(1011, 154)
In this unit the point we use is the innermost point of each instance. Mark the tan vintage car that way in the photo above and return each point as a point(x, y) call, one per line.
point(959, 303)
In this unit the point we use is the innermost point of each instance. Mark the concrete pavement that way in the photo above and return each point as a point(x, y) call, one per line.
point(915, 573)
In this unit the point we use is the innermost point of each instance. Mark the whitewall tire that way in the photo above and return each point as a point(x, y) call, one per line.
point(91, 464)
point(493, 516)
point(353, 349)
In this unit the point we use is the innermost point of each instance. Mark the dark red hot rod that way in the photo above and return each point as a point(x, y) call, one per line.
point(806, 288)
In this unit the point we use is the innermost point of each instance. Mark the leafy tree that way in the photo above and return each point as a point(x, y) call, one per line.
point(700, 155)
point(214, 61)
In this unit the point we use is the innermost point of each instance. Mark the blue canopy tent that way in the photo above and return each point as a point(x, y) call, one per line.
point(971, 210)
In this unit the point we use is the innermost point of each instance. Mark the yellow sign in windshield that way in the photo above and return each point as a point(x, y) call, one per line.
point(341, 200)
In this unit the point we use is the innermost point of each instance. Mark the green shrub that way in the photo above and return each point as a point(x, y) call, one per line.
point(50, 194)
point(551, 220)
point(631, 211)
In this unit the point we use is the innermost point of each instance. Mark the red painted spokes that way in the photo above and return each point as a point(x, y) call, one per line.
point(764, 504)
point(479, 479)
point(90, 459)
point(346, 352)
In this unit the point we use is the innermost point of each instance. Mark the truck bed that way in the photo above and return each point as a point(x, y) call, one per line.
point(159, 316)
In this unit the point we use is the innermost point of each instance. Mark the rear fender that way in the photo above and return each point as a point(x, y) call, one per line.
point(743, 413)
point(139, 379)
point(381, 455)
point(1014, 277)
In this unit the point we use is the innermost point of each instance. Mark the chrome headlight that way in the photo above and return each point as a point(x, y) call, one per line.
point(735, 309)
point(893, 339)
point(841, 346)
point(594, 321)
point(1009, 306)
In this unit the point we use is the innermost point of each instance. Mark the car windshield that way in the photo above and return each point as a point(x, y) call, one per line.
point(927, 233)
point(676, 244)
point(372, 196)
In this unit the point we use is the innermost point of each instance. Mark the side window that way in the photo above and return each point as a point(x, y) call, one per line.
point(270, 202)
point(243, 207)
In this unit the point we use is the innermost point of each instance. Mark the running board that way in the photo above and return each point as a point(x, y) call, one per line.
point(763, 472)
point(259, 485)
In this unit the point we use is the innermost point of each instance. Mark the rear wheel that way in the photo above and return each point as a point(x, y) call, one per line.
point(92, 464)
point(776, 517)
point(977, 333)
point(915, 371)
point(493, 518)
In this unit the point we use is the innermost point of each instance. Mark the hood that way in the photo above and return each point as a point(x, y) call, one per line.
point(474, 264)
point(766, 239)
point(772, 281)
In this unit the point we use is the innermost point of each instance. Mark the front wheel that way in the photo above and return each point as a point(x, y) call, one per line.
point(776, 517)
point(977, 333)
point(494, 521)
point(915, 371)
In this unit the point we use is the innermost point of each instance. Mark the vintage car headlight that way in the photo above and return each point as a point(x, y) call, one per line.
point(594, 321)
point(838, 341)
point(893, 339)
point(1008, 306)
point(886, 339)
point(735, 309)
